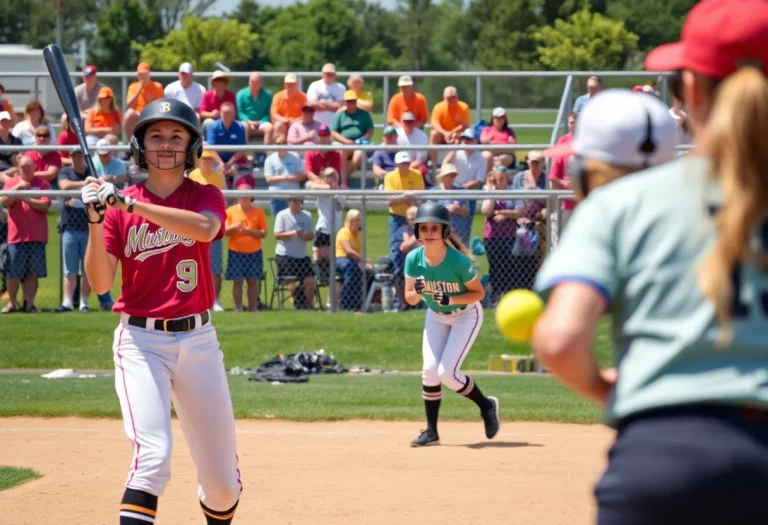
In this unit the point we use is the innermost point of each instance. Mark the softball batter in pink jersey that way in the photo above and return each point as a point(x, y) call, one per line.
point(165, 347)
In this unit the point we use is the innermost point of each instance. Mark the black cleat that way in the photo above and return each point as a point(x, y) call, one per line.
point(426, 438)
point(491, 419)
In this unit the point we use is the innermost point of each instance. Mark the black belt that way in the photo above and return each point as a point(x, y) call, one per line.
point(452, 312)
point(182, 324)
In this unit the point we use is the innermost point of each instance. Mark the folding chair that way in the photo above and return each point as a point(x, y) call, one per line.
point(281, 289)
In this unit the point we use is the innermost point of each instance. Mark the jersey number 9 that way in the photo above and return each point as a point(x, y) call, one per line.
point(186, 271)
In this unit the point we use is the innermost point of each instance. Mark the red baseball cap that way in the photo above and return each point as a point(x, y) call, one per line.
point(718, 37)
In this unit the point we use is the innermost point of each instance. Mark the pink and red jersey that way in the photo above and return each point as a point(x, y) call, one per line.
point(164, 275)
point(26, 224)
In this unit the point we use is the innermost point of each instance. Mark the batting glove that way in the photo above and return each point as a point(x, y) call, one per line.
point(93, 206)
point(109, 194)
point(419, 284)
point(441, 298)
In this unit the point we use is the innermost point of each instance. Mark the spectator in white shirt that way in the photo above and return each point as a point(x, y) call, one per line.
point(470, 164)
point(107, 166)
point(186, 89)
point(326, 95)
point(410, 135)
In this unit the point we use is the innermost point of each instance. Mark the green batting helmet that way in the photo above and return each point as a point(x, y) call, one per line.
point(433, 212)
point(175, 111)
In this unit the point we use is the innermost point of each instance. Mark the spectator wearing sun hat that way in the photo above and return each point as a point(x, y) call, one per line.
point(210, 106)
point(384, 159)
point(407, 100)
point(351, 126)
point(287, 105)
point(185, 89)
point(140, 93)
point(108, 167)
point(461, 220)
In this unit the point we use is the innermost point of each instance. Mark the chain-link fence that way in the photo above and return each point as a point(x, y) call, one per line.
point(322, 250)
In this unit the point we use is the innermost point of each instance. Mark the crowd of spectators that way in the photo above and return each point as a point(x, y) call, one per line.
point(328, 113)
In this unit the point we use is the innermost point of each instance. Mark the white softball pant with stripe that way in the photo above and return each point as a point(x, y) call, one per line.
point(447, 341)
point(153, 369)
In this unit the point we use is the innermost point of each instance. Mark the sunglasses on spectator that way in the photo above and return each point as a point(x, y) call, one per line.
point(44, 135)
point(426, 229)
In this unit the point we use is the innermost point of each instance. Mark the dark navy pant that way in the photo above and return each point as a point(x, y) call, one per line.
point(698, 465)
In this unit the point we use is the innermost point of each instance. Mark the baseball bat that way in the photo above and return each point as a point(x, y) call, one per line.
point(57, 67)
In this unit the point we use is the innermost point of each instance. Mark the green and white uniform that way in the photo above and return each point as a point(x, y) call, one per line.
point(449, 331)
point(639, 241)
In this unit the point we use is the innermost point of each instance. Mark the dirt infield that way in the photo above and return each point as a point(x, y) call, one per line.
point(320, 473)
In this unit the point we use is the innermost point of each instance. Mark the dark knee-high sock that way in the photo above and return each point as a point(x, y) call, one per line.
point(138, 508)
point(216, 517)
point(472, 391)
point(432, 396)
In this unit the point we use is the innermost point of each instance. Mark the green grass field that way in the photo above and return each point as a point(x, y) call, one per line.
point(379, 341)
point(12, 476)
point(390, 342)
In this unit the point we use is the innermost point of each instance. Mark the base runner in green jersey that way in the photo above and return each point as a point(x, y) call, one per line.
point(445, 279)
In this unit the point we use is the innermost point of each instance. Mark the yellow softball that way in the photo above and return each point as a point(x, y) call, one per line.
point(516, 314)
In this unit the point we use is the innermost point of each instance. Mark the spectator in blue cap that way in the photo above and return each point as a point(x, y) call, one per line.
point(384, 159)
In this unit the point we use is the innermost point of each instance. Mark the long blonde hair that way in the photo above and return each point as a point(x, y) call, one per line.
point(734, 139)
point(455, 242)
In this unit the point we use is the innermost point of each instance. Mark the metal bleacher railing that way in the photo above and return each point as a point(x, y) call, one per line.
point(350, 290)
point(126, 77)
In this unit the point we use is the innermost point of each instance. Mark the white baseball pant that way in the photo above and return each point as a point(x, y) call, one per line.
point(153, 369)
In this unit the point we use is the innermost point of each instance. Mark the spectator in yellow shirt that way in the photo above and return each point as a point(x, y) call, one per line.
point(449, 118)
point(206, 174)
point(350, 262)
point(246, 226)
point(364, 98)
point(403, 178)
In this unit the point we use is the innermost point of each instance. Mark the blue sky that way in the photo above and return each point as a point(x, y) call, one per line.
point(225, 6)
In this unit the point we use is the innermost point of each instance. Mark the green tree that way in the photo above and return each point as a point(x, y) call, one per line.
point(123, 23)
point(451, 45)
point(201, 42)
point(172, 12)
point(250, 13)
point(417, 21)
point(33, 22)
point(653, 21)
point(502, 33)
point(303, 36)
point(587, 41)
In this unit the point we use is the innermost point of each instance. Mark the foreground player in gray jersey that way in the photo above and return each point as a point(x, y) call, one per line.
point(677, 256)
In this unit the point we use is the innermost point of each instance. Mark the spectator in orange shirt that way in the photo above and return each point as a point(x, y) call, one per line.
point(103, 118)
point(407, 100)
point(246, 226)
point(449, 118)
point(140, 93)
point(287, 105)
point(5, 105)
